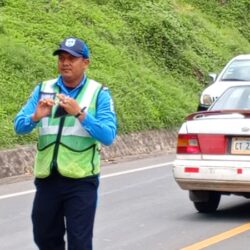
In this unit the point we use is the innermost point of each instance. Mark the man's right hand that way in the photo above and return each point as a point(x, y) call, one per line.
point(43, 109)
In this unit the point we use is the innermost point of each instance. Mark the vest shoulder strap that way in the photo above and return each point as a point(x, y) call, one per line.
point(47, 86)
point(92, 88)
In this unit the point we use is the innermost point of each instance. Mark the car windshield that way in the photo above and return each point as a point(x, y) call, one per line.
point(237, 97)
point(238, 70)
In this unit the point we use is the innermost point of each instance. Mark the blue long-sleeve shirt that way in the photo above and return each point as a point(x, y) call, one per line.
point(102, 126)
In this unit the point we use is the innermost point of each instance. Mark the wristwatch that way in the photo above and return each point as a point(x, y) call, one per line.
point(80, 112)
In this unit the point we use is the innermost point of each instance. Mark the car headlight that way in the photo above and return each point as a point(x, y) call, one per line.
point(207, 100)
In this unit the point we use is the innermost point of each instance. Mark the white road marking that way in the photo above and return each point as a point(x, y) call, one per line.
point(17, 194)
point(2, 197)
point(136, 170)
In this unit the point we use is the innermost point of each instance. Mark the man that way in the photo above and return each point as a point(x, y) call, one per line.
point(74, 115)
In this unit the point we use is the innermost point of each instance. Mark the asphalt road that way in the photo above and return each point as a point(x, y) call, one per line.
point(140, 207)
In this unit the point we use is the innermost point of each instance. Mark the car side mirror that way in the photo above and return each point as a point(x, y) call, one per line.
point(212, 77)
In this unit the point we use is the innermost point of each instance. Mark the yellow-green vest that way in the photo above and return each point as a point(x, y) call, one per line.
point(63, 142)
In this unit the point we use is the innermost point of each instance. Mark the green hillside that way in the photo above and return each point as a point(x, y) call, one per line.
point(153, 54)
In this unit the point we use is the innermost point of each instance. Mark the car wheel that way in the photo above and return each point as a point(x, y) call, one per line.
point(210, 205)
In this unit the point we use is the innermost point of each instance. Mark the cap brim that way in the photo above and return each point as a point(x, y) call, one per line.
point(73, 53)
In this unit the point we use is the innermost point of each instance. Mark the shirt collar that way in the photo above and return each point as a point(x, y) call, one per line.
point(64, 89)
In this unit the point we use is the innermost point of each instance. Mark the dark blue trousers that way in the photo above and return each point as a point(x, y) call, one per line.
point(64, 205)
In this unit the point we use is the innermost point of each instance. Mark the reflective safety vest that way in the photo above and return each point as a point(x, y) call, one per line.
point(63, 142)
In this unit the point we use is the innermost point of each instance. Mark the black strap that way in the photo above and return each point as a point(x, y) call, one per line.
point(57, 143)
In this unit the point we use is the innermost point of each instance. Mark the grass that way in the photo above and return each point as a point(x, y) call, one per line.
point(154, 55)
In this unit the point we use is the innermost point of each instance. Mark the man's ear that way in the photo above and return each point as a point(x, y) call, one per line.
point(86, 62)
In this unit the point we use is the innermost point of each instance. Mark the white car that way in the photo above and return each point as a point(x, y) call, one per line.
point(236, 72)
point(213, 150)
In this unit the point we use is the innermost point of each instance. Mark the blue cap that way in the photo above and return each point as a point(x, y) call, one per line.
point(74, 46)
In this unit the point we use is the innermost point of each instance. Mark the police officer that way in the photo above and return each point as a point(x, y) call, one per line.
point(74, 115)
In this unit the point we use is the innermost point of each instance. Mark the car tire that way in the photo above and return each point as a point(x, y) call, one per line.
point(210, 205)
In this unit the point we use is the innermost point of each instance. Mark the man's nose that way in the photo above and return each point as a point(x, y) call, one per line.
point(66, 61)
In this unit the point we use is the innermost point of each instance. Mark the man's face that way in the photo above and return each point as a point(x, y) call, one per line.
point(71, 68)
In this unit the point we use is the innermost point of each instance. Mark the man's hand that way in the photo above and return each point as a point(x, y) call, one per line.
point(43, 109)
point(69, 104)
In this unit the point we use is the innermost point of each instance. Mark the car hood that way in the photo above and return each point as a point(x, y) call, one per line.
point(216, 89)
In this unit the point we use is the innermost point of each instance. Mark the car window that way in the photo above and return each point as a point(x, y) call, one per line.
point(233, 98)
point(238, 70)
